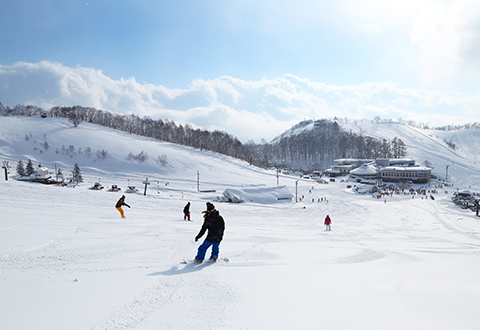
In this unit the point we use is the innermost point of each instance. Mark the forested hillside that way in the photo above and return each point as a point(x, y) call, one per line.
point(311, 147)
point(318, 144)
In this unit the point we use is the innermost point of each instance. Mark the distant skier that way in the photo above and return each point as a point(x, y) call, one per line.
point(327, 223)
point(186, 212)
point(216, 226)
point(119, 205)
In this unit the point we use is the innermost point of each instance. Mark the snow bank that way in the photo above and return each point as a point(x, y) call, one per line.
point(263, 195)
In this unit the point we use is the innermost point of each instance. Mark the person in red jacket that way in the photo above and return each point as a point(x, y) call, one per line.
point(327, 223)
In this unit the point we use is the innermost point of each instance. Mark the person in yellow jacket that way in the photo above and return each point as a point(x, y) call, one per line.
point(119, 205)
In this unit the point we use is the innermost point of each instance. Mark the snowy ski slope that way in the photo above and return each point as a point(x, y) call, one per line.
point(68, 261)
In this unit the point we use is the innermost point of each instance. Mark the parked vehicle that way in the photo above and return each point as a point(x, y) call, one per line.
point(131, 189)
point(96, 186)
point(114, 188)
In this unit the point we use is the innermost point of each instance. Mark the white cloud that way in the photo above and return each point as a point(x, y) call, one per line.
point(402, 101)
point(245, 109)
point(373, 30)
point(448, 35)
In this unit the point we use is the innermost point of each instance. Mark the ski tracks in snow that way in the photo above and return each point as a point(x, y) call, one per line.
point(164, 304)
point(461, 241)
point(140, 308)
point(365, 256)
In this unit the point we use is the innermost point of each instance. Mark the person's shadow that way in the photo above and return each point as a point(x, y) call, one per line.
point(189, 268)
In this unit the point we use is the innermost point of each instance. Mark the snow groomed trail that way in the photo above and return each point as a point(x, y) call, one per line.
point(76, 266)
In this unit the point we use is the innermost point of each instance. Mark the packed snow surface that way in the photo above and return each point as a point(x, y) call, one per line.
point(68, 261)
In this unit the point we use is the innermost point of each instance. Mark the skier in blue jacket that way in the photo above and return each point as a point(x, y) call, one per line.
point(216, 226)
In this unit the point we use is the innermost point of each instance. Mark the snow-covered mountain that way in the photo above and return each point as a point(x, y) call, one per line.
point(429, 145)
point(68, 261)
point(424, 145)
point(26, 137)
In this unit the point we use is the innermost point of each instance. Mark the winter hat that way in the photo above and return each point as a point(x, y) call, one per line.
point(210, 206)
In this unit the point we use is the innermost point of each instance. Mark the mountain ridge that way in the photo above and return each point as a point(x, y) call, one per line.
point(25, 137)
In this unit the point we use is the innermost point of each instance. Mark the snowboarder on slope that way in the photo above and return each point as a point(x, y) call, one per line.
point(119, 205)
point(186, 212)
point(327, 223)
point(216, 226)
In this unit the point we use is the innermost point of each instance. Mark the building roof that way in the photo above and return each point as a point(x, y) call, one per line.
point(332, 171)
point(365, 170)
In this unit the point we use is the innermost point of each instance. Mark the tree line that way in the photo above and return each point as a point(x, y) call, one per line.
point(29, 169)
point(317, 148)
point(312, 149)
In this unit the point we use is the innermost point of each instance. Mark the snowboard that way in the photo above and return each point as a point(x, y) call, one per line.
point(192, 261)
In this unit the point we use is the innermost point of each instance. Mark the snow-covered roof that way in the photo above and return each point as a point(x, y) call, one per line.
point(332, 171)
point(365, 170)
point(347, 160)
point(263, 195)
point(343, 166)
point(464, 192)
point(400, 160)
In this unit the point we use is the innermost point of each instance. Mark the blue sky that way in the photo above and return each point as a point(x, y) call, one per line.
point(173, 43)
point(187, 50)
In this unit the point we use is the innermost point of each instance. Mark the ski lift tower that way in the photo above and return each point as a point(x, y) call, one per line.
point(296, 191)
point(6, 167)
point(146, 183)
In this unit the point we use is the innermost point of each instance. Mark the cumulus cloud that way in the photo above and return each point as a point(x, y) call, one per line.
point(245, 109)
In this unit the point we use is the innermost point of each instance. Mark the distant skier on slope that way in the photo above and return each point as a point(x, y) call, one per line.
point(215, 225)
point(186, 212)
point(327, 223)
point(119, 205)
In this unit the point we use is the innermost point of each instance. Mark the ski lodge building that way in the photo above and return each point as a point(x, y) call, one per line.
point(345, 166)
point(416, 174)
point(384, 162)
point(366, 172)
point(387, 169)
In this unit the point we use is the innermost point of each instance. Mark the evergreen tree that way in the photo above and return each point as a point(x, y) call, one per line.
point(59, 174)
point(21, 169)
point(77, 174)
point(29, 169)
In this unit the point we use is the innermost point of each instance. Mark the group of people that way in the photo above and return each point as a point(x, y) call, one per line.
point(213, 225)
